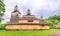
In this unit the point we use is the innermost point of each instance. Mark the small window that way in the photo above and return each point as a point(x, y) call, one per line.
point(30, 20)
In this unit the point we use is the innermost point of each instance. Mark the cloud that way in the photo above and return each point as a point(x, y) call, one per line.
point(45, 7)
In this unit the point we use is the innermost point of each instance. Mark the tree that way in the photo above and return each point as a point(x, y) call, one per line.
point(2, 9)
point(55, 17)
point(2, 26)
point(49, 22)
point(53, 20)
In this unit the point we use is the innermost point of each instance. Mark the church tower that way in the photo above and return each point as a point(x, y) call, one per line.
point(41, 17)
point(41, 20)
point(15, 16)
point(28, 12)
point(16, 11)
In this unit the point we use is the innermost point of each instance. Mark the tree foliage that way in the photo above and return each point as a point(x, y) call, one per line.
point(53, 20)
point(2, 9)
point(2, 26)
point(55, 17)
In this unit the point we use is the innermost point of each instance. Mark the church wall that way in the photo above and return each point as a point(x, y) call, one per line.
point(36, 21)
point(26, 27)
point(45, 27)
point(22, 21)
point(25, 21)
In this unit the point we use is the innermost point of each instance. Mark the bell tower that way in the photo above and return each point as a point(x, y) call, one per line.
point(16, 11)
point(15, 16)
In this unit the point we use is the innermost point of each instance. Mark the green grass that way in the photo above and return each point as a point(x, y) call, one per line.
point(28, 33)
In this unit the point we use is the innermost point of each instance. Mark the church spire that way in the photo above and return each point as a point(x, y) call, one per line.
point(41, 18)
point(28, 12)
point(16, 9)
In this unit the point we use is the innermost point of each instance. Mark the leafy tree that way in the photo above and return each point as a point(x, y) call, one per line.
point(53, 20)
point(55, 17)
point(59, 23)
point(2, 9)
point(56, 22)
point(49, 22)
point(2, 26)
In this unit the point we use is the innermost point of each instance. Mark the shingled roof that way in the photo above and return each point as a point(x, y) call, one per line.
point(31, 17)
point(28, 16)
point(16, 9)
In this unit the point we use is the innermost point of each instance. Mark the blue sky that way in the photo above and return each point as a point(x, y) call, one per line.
point(45, 7)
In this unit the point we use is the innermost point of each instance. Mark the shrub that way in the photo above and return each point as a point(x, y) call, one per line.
point(2, 26)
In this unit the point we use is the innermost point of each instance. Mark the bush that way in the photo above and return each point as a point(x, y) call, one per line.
point(54, 27)
point(2, 26)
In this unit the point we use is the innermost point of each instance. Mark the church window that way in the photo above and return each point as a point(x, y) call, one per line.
point(30, 20)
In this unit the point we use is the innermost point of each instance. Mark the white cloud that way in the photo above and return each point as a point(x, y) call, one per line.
point(49, 5)
point(45, 6)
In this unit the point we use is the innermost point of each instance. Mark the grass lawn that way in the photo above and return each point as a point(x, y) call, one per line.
point(28, 33)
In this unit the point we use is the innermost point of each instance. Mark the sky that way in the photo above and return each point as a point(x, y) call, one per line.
point(45, 7)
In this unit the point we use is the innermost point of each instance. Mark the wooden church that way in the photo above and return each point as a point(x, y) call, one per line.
point(26, 22)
